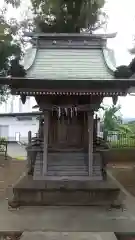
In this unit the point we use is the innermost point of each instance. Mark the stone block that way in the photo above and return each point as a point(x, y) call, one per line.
point(68, 236)
point(29, 196)
point(83, 193)
point(65, 197)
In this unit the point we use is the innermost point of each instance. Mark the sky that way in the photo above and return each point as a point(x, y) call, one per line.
point(121, 20)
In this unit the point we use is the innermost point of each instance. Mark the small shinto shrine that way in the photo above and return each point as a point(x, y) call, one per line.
point(69, 75)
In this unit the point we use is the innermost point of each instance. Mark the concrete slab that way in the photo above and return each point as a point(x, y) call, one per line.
point(66, 219)
point(27, 182)
point(68, 236)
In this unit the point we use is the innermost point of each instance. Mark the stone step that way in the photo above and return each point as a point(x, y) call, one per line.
point(68, 154)
point(68, 236)
point(68, 167)
point(29, 192)
point(67, 157)
point(67, 173)
point(68, 162)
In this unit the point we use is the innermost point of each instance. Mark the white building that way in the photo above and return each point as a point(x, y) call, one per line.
point(11, 127)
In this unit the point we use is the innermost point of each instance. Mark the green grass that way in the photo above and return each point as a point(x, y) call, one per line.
point(20, 158)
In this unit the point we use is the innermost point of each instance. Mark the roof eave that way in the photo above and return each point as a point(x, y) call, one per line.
point(71, 35)
point(7, 80)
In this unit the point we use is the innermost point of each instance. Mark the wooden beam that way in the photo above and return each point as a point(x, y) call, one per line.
point(70, 35)
point(90, 144)
point(79, 108)
point(45, 146)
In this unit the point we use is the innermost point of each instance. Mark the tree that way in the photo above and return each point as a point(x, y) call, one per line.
point(10, 51)
point(111, 121)
point(123, 72)
point(68, 16)
point(15, 3)
point(8, 47)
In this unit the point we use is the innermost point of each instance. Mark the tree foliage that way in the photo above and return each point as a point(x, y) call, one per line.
point(16, 70)
point(9, 47)
point(10, 50)
point(125, 71)
point(14, 3)
point(111, 120)
point(68, 16)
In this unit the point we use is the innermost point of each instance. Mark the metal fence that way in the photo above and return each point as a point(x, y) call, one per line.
point(121, 140)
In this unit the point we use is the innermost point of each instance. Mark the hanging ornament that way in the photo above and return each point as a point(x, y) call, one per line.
point(115, 99)
point(59, 112)
point(71, 111)
point(68, 114)
point(66, 111)
point(76, 111)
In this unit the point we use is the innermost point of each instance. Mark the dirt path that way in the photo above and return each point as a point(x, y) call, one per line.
point(10, 171)
point(125, 174)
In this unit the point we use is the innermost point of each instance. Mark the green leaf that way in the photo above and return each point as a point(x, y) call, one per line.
point(14, 3)
point(67, 15)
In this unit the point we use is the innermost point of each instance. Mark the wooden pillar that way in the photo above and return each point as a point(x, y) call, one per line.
point(45, 146)
point(90, 144)
point(29, 137)
point(98, 127)
point(95, 129)
point(29, 163)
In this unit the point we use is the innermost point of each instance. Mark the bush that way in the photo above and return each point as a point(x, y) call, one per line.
point(3, 140)
point(3, 144)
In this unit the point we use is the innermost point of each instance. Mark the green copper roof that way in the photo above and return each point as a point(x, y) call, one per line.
point(69, 64)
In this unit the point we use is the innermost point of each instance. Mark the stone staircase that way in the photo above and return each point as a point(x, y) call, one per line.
point(67, 164)
point(67, 183)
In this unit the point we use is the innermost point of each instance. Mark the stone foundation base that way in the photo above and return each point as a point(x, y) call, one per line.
point(59, 193)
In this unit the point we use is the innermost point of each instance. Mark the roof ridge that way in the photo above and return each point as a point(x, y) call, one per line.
point(74, 35)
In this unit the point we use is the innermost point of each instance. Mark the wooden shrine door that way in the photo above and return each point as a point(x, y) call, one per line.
point(68, 133)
